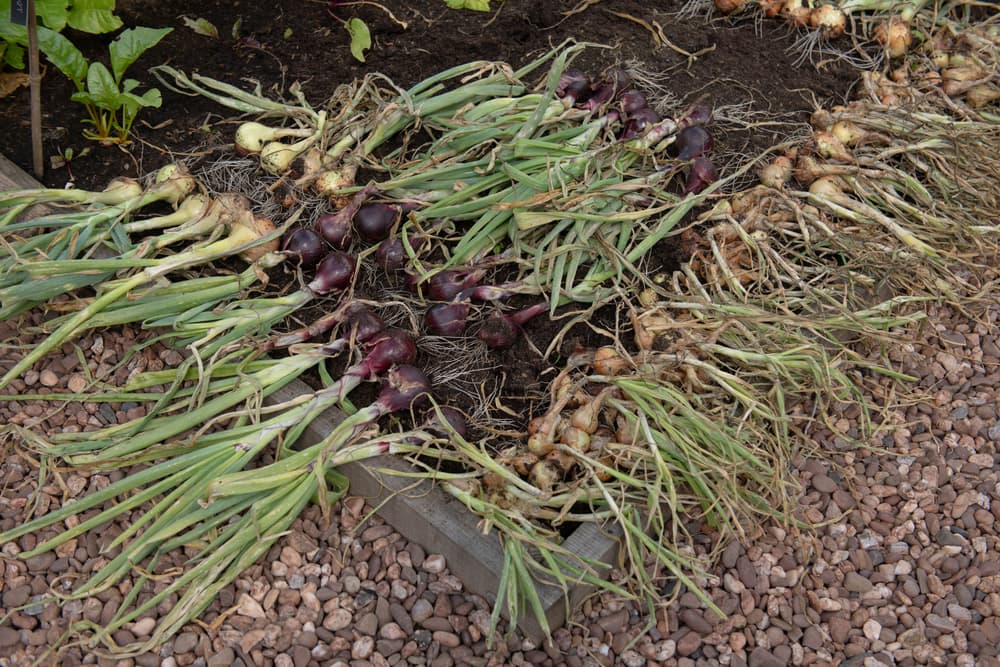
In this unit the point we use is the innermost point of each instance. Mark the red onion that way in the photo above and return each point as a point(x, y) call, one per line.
point(389, 348)
point(696, 114)
point(446, 285)
point(700, 176)
point(618, 79)
point(407, 387)
point(306, 246)
point(603, 94)
point(573, 86)
point(639, 122)
point(335, 228)
point(444, 419)
point(336, 271)
point(374, 222)
point(446, 319)
point(632, 101)
point(364, 322)
point(391, 255)
point(500, 331)
point(693, 141)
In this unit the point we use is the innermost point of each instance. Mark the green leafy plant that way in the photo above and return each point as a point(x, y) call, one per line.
point(110, 100)
point(475, 5)
point(91, 16)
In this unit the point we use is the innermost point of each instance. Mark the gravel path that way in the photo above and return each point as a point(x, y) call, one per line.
point(904, 568)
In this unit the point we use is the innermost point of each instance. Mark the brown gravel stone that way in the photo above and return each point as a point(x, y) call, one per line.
point(688, 643)
point(823, 484)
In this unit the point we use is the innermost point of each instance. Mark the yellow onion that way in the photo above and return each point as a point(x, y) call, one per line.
point(771, 8)
point(331, 182)
point(807, 169)
point(625, 429)
point(796, 12)
point(729, 6)
point(544, 475)
point(982, 94)
point(821, 119)
point(894, 36)
point(251, 137)
point(607, 361)
point(777, 172)
point(848, 133)
point(587, 417)
point(276, 157)
point(829, 146)
point(828, 186)
point(829, 20)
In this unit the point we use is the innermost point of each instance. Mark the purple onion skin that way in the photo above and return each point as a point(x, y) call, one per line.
point(446, 285)
point(365, 324)
point(602, 96)
point(336, 271)
point(407, 387)
point(500, 331)
point(374, 222)
point(618, 79)
point(639, 122)
point(335, 228)
point(696, 114)
point(306, 246)
point(391, 255)
point(363, 320)
point(692, 142)
point(389, 348)
point(573, 86)
point(446, 420)
point(701, 174)
point(632, 101)
point(447, 319)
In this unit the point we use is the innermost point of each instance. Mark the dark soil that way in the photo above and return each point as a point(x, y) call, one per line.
point(743, 68)
point(283, 42)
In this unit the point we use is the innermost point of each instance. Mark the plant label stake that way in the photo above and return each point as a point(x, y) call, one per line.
point(22, 12)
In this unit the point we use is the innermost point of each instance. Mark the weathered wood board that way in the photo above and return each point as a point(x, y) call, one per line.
point(423, 513)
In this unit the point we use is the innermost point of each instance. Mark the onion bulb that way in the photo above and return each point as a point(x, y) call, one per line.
point(305, 246)
point(607, 361)
point(894, 36)
point(796, 12)
point(982, 94)
point(828, 186)
point(276, 157)
point(771, 8)
point(848, 133)
point(777, 172)
point(729, 6)
point(251, 137)
point(330, 182)
point(259, 227)
point(544, 475)
point(829, 146)
point(829, 20)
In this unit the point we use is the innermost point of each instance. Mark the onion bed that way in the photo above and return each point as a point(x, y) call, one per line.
point(486, 200)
